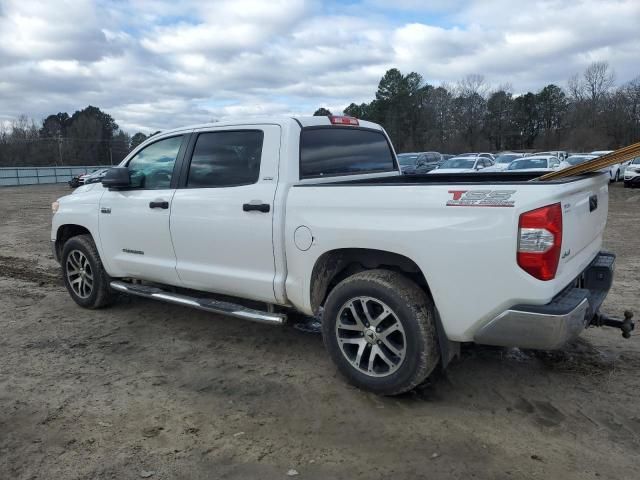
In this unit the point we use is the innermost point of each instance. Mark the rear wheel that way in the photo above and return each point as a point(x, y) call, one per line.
point(83, 273)
point(379, 329)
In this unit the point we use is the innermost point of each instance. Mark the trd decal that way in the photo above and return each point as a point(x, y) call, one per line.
point(481, 198)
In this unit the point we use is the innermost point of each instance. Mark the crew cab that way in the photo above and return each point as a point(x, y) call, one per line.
point(260, 218)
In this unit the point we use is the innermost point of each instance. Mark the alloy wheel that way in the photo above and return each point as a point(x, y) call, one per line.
point(370, 336)
point(79, 273)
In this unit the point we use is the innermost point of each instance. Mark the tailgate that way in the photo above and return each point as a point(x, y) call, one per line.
point(584, 216)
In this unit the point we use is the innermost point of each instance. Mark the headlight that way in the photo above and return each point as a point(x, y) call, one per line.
point(54, 206)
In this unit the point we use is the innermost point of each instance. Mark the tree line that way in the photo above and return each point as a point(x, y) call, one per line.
point(591, 113)
point(88, 137)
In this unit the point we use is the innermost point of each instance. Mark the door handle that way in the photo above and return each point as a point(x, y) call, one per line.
point(258, 207)
point(159, 204)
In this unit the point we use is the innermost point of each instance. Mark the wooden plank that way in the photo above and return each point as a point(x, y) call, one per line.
point(618, 156)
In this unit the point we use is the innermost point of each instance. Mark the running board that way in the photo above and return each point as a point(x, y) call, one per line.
point(215, 306)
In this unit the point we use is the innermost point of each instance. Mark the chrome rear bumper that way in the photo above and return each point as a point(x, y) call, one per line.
point(550, 326)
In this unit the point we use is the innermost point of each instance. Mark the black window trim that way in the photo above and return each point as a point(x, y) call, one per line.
point(188, 156)
point(176, 165)
point(396, 167)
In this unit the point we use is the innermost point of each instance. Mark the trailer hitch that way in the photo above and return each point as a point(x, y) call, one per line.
point(627, 325)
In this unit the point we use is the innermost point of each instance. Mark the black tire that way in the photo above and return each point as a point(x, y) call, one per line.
point(413, 309)
point(100, 294)
point(617, 179)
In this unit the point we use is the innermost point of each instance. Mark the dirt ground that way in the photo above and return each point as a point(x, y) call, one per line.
point(149, 390)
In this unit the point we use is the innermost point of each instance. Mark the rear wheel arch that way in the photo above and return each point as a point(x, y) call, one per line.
point(335, 265)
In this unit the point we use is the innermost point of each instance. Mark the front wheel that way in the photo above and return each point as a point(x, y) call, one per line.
point(83, 273)
point(379, 329)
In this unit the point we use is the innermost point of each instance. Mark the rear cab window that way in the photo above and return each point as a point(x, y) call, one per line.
point(336, 151)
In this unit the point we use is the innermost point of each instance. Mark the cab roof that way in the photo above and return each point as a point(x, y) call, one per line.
point(309, 121)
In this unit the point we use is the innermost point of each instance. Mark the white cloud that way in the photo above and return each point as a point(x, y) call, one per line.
point(155, 64)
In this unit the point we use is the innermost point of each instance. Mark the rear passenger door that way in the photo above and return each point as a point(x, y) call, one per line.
point(222, 212)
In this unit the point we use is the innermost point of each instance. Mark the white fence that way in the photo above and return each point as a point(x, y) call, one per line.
point(12, 176)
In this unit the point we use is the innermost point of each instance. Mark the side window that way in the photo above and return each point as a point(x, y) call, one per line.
point(226, 159)
point(152, 167)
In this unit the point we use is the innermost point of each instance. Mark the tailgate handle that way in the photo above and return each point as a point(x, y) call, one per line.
point(593, 202)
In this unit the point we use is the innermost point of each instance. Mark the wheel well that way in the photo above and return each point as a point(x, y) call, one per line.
point(65, 232)
point(334, 266)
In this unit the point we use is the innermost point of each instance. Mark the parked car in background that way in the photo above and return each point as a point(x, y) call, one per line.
point(540, 163)
point(560, 154)
point(96, 176)
point(616, 171)
point(490, 156)
point(417, 163)
point(445, 157)
point(85, 178)
point(502, 161)
point(463, 164)
point(632, 173)
point(75, 181)
point(576, 159)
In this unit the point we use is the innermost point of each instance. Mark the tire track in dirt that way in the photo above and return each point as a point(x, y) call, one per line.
point(29, 271)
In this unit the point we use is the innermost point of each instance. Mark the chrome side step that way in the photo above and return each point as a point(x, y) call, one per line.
point(215, 306)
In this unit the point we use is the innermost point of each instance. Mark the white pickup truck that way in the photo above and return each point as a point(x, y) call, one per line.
point(260, 218)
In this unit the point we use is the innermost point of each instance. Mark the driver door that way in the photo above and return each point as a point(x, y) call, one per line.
point(134, 222)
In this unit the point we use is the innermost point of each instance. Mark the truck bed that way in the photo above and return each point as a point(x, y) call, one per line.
point(468, 253)
point(511, 178)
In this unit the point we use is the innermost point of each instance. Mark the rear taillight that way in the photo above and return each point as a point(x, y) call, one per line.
point(343, 120)
point(540, 240)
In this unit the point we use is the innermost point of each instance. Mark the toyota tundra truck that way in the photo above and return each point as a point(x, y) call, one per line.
point(263, 218)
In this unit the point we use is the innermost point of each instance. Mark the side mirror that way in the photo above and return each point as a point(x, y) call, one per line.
point(116, 177)
point(479, 167)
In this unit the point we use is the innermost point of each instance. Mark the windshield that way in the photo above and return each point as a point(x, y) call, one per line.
point(528, 163)
point(578, 159)
point(458, 163)
point(407, 159)
point(636, 161)
point(507, 157)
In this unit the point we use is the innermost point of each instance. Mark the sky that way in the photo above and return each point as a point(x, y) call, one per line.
point(155, 64)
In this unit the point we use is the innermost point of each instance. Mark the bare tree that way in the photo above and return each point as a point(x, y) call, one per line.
point(575, 86)
point(598, 80)
point(470, 107)
point(473, 84)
